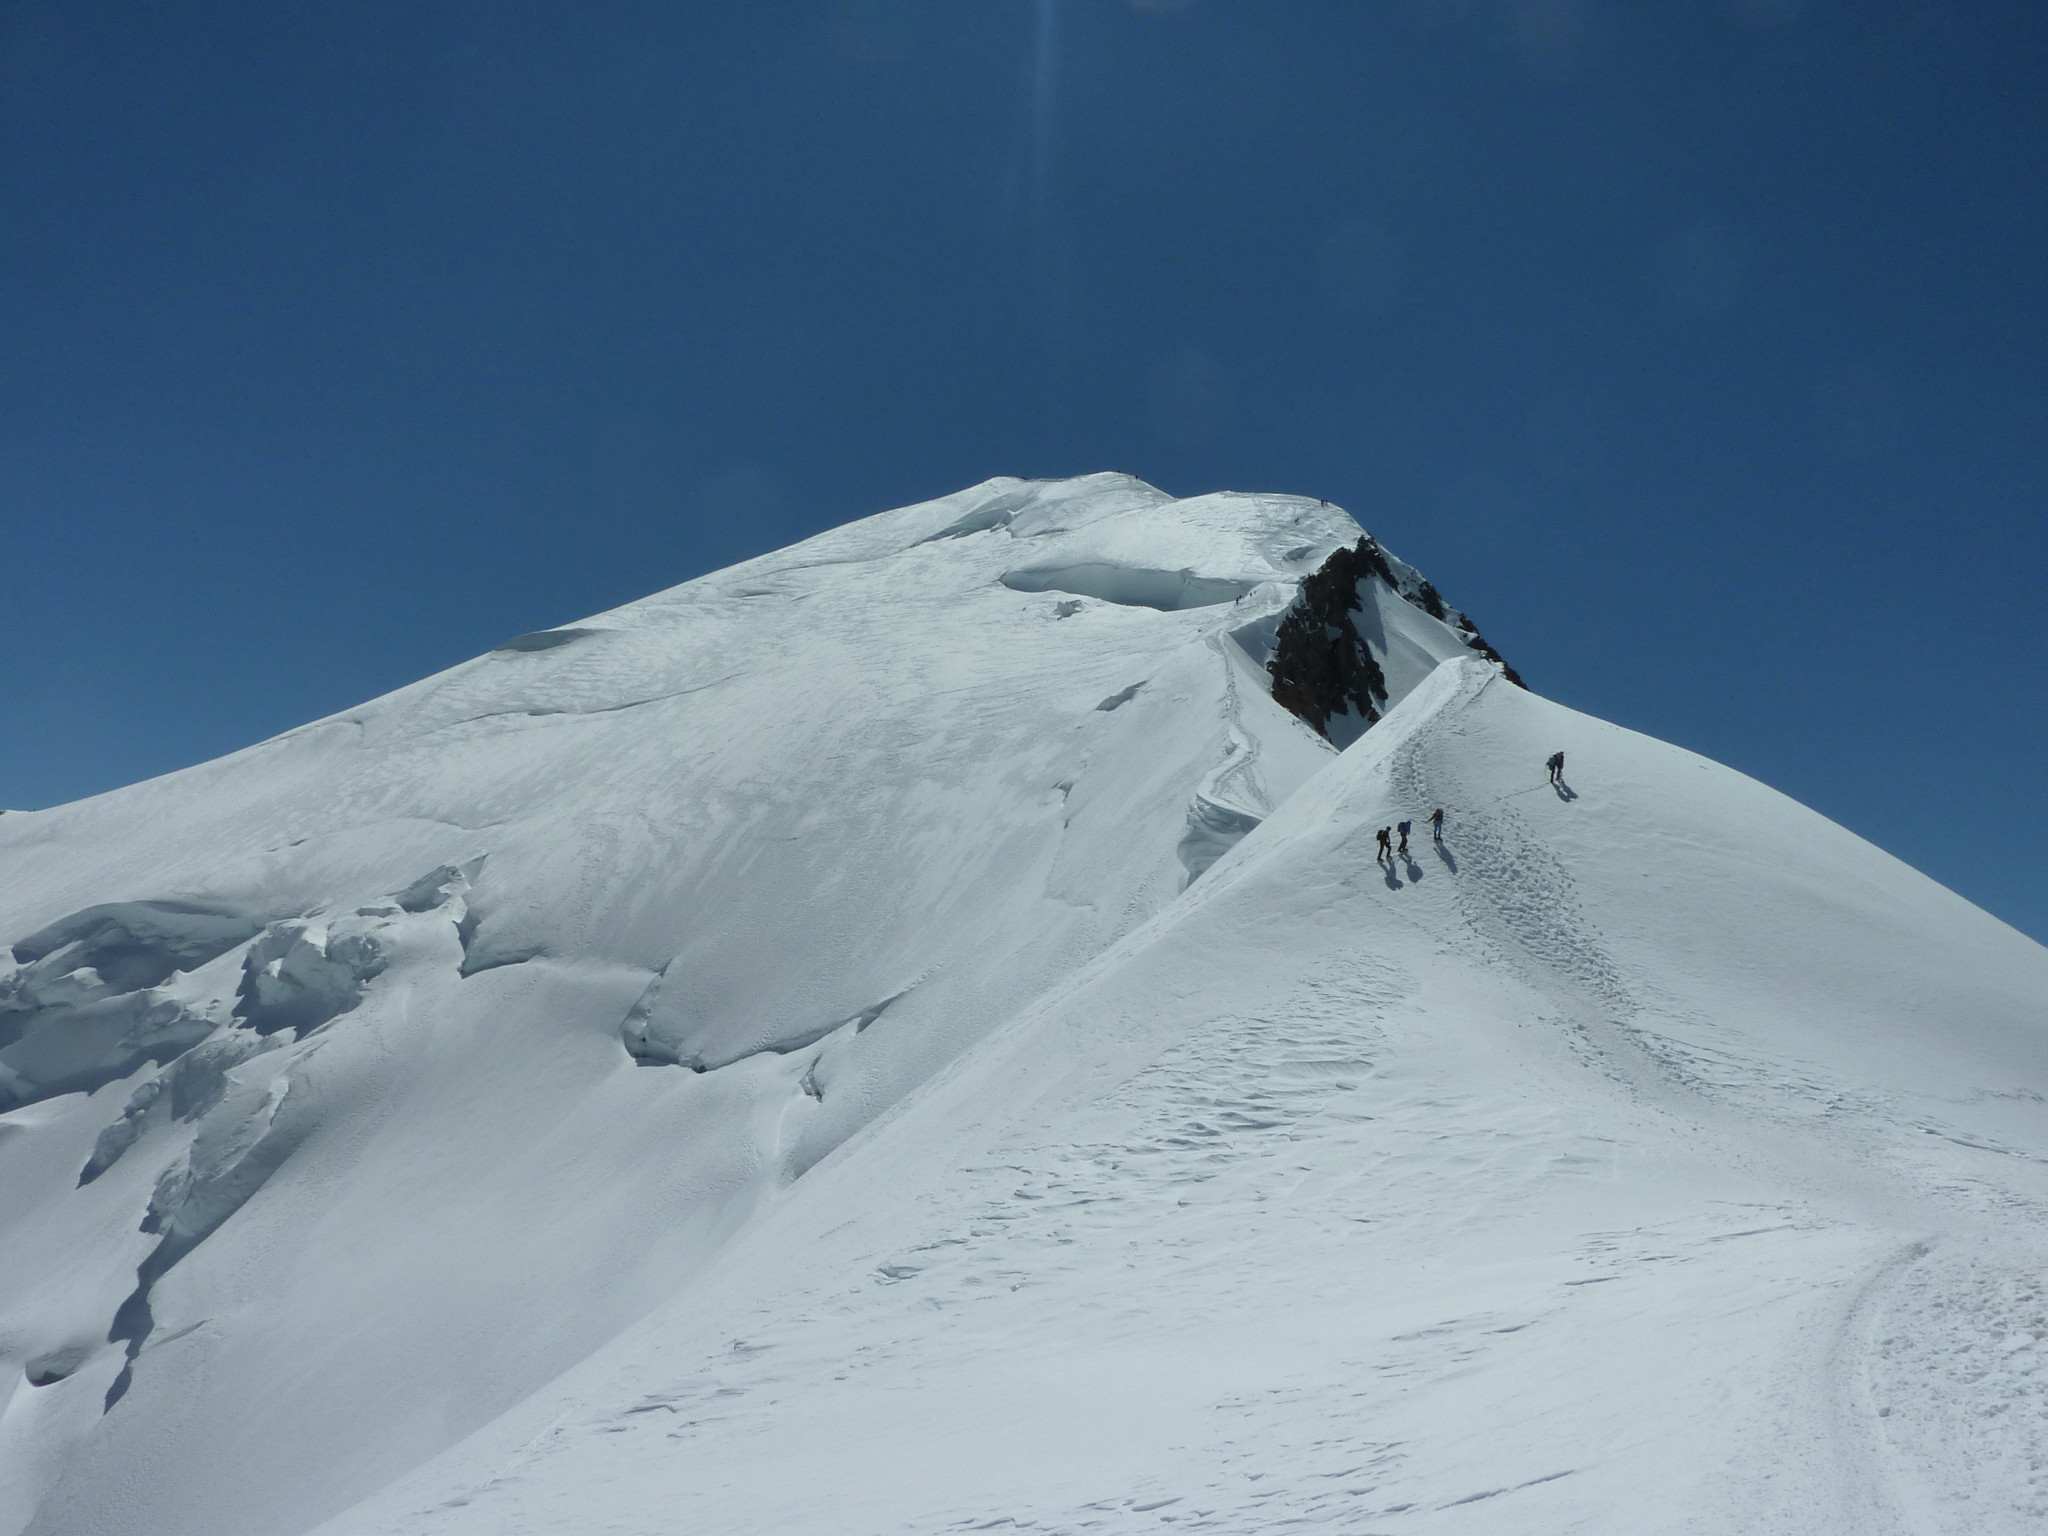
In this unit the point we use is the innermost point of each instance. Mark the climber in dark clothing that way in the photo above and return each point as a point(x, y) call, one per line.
point(1403, 829)
point(1385, 852)
point(1556, 767)
point(1436, 825)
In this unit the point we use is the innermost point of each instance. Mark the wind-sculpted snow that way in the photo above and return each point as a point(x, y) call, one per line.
point(672, 1034)
point(132, 944)
point(545, 639)
point(85, 1006)
point(1132, 586)
point(187, 1089)
point(297, 976)
point(853, 1044)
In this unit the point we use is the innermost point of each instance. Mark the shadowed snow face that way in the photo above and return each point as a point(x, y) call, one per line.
point(85, 1007)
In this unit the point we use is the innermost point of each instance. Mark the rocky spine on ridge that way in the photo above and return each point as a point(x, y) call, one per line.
point(1321, 665)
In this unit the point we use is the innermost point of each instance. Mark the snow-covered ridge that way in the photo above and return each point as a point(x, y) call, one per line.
point(792, 835)
point(729, 1033)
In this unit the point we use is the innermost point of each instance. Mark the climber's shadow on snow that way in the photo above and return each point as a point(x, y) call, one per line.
point(1444, 853)
point(1564, 790)
point(1387, 869)
point(1414, 869)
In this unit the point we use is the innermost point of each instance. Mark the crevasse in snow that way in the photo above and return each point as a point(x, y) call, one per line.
point(907, 1034)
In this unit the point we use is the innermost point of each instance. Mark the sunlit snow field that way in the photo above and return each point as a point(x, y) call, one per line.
point(905, 1035)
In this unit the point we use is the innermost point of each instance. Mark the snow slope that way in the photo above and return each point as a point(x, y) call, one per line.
point(1654, 1156)
point(345, 1032)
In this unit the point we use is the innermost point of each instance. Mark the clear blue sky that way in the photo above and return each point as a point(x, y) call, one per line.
point(1700, 350)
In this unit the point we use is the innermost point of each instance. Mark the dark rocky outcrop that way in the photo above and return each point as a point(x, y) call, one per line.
point(1321, 665)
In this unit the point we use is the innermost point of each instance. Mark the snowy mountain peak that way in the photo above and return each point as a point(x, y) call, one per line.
point(71, 1010)
point(729, 1033)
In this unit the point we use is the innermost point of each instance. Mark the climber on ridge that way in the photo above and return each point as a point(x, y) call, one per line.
point(1436, 825)
point(1403, 830)
point(1386, 853)
point(1556, 767)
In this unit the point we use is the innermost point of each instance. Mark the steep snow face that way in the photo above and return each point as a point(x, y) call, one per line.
point(367, 1079)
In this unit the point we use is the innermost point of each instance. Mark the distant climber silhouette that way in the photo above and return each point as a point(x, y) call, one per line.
point(1556, 767)
point(1386, 853)
point(1403, 830)
point(1436, 825)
